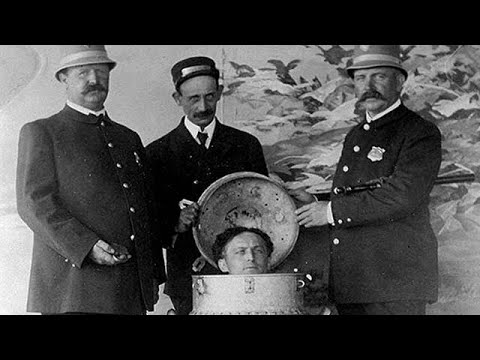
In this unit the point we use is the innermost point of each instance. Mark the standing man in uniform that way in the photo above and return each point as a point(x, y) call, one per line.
point(190, 158)
point(383, 256)
point(81, 188)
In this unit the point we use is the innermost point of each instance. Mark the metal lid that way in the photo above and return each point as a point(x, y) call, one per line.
point(251, 200)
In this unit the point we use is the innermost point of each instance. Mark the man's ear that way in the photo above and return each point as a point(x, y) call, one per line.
point(222, 265)
point(401, 79)
point(269, 264)
point(62, 77)
point(220, 91)
point(177, 97)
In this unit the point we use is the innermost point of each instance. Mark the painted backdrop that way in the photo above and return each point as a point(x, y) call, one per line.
point(299, 102)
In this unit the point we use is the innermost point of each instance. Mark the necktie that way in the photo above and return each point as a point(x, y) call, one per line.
point(203, 138)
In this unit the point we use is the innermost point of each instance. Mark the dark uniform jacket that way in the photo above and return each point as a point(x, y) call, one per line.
point(183, 170)
point(79, 181)
point(382, 244)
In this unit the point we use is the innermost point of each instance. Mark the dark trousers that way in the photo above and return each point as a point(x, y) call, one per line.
point(183, 304)
point(81, 313)
point(68, 313)
point(386, 308)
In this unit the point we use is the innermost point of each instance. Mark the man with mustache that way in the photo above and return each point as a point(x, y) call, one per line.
point(82, 189)
point(383, 251)
point(189, 159)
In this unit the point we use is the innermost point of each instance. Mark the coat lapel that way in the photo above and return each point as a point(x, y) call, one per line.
point(220, 141)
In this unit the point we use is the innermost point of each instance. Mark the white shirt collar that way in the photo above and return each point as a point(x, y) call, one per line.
point(194, 130)
point(383, 113)
point(84, 110)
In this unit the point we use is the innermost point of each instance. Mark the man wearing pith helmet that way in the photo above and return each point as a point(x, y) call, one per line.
point(82, 189)
point(186, 161)
point(383, 251)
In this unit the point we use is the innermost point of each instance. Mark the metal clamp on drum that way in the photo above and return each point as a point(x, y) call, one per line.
point(300, 284)
point(199, 286)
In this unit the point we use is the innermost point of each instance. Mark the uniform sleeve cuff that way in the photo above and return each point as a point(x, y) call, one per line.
point(330, 218)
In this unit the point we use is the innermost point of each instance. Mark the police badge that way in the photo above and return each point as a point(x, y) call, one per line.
point(376, 154)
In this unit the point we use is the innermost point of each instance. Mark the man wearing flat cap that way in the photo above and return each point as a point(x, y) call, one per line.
point(383, 251)
point(190, 158)
point(82, 189)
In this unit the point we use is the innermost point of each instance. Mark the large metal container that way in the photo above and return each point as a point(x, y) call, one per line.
point(250, 200)
point(266, 294)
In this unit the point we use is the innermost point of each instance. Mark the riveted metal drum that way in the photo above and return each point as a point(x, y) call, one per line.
point(250, 200)
point(264, 294)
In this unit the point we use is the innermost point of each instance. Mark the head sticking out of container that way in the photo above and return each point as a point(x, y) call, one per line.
point(241, 250)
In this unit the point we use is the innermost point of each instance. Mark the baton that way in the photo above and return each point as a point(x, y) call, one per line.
point(441, 180)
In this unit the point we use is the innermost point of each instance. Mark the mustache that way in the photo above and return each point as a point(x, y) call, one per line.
point(96, 87)
point(371, 94)
point(204, 114)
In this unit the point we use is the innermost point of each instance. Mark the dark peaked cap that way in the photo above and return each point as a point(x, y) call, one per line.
point(192, 67)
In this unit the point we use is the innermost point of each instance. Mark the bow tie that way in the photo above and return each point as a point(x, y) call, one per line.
point(97, 119)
